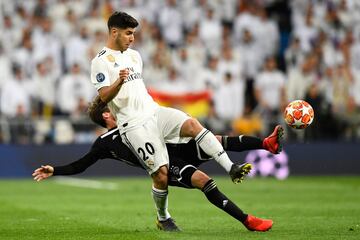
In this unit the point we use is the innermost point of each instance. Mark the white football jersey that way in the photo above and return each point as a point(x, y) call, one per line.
point(133, 105)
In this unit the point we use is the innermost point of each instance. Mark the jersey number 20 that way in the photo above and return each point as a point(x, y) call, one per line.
point(149, 149)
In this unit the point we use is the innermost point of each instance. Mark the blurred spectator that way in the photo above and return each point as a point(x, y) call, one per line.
point(76, 49)
point(96, 44)
point(214, 122)
point(227, 11)
point(316, 100)
point(193, 11)
point(152, 8)
point(5, 67)
point(24, 55)
point(134, 8)
point(229, 64)
point(15, 97)
point(171, 23)
point(65, 25)
point(210, 77)
point(107, 9)
point(267, 33)
point(306, 31)
point(270, 93)
point(41, 9)
point(147, 39)
point(293, 55)
point(329, 53)
point(10, 36)
point(229, 98)
point(342, 104)
point(155, 72)
point(210, 30)
point(43, 89)
point(246, 20)
point(196, 53)
point(74, 92)
point(355, 105)
point(173, 83)
point(21, 19)
point(251, 60)
point(93, 20)
point(249, 123)
point(46, 44)
point(184, 66)
point(300, 78)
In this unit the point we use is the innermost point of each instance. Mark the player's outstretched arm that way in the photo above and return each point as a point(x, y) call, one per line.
point(43, 172)
point(79, 166)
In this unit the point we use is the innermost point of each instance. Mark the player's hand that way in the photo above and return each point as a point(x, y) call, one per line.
point(43, 172)
point(123, 75)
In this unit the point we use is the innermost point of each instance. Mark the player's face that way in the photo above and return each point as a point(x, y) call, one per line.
point(124, 38)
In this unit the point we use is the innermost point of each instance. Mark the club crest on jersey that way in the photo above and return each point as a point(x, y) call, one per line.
point(111, 58)
point(150, 162)
point(100, 77)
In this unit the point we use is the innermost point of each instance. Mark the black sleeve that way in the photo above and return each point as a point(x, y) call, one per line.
point(82, 164)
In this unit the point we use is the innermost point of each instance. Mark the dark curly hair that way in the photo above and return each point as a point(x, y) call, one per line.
point(96, 109)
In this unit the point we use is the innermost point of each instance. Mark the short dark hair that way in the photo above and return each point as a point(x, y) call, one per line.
point(122, 20)
point(95, 111)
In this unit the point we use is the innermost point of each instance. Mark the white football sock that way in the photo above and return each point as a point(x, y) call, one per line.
point(211, 146)
point(161, 203)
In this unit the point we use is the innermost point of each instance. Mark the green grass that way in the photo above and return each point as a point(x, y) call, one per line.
point(301, 207)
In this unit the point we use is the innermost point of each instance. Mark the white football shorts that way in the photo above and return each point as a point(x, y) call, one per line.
point(148, 141)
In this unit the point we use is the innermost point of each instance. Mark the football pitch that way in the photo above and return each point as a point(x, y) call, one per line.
point(122, 208)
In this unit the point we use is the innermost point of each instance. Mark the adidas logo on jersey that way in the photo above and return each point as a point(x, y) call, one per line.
point(116, 65)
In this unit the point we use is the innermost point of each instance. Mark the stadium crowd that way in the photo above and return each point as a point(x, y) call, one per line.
point(253, 56)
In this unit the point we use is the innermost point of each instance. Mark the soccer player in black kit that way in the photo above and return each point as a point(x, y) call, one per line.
point(184, 160)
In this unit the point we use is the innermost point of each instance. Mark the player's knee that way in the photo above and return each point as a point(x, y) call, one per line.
point(160, 178)
point(199, 179)
point(191, 128)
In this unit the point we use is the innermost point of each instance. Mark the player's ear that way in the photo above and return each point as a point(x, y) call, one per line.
point(106, 115)
point(114, 32)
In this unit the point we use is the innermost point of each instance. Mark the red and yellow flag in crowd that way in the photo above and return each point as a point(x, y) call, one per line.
point(195, 104)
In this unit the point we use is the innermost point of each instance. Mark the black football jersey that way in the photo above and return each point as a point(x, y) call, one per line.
point(110, 146)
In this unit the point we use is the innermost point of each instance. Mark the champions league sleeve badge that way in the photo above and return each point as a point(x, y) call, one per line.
point(100, 77)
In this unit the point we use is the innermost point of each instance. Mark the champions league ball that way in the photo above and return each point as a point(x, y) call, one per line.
point(298, 114)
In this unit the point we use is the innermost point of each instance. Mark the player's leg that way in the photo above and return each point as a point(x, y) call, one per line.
point(145, 142)
point(272, 143)
point(211, 146)
point(191, 176)
point(160, 196)
point(160, 192)
point(176, 126)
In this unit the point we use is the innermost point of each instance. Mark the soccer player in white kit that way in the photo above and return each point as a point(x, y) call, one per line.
point(116, 72)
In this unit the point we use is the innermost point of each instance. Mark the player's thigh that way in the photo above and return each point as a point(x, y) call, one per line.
point(147, 144)
point(170, 121)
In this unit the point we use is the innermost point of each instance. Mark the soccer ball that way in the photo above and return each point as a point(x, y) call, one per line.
point(298, 114)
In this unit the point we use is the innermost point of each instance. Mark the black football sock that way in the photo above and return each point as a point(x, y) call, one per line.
point(241, 143)
point(221, 201)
